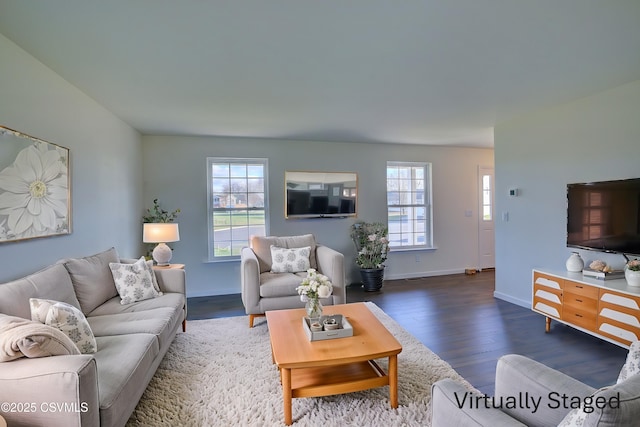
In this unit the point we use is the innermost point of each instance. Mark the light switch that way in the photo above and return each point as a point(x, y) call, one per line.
point(505, 216)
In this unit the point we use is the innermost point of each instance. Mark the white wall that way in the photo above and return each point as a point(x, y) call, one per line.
point(593, 139)
point(175, 172)
point(106, 179)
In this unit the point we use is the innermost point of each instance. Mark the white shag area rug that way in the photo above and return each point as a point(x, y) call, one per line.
point(220, 373)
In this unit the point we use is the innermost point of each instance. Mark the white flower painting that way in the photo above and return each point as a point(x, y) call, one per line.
point(34, 188)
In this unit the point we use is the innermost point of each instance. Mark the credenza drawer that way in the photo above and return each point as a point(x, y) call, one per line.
point(618, 331)
point(623, 300)
point(547, 300)
point(582, 318)
point(547, 281)
point(580, 302)
point(580, 289)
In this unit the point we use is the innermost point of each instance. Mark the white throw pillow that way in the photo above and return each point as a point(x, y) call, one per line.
point(290, 260)
point(154, 280)
point(134, 282)
point(577, 417)
point(632, 365)
point(67, 319)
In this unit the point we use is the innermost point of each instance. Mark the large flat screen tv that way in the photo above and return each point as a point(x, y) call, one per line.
point(604, 216)
point(320, 194)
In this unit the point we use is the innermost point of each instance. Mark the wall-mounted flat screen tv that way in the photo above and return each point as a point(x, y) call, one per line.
point(320, 194)
point(604, 216)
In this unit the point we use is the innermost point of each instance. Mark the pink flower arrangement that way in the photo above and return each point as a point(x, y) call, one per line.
point(634, 265)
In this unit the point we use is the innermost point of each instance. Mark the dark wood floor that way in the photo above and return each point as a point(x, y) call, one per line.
point(458, 318)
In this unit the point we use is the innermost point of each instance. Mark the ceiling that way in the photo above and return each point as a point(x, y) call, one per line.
point(439, 72)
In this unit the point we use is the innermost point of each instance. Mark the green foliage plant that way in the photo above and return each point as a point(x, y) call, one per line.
point(157, 214)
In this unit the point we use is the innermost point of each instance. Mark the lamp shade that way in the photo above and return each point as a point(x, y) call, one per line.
point(160, 232)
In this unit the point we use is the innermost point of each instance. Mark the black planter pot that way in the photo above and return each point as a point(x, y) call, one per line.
point(372, 278)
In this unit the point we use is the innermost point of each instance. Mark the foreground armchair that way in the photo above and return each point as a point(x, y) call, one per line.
point(529, 393)
point(263, 289)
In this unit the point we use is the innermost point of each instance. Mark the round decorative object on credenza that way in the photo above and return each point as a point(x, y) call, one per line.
point(575, 263)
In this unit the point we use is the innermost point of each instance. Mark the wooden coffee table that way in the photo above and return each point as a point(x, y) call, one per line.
point(335, 366)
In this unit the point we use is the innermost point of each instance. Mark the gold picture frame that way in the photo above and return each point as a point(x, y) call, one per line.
point(35, 187)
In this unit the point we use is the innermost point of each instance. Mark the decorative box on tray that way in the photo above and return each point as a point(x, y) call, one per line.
point(342, 329)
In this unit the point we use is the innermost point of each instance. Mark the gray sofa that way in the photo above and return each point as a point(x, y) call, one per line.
point(522, 382)
point(264, 290)
point(102, 388)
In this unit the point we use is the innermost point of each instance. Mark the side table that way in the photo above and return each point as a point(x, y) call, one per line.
point(170, 266)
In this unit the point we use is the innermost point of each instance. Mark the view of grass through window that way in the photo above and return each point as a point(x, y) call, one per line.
point(409, 204)
point(237, 205)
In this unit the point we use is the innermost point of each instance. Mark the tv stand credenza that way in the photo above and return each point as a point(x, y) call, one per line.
point(608, 309)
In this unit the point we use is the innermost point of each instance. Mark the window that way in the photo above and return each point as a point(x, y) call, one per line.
point(409, 205)
point(237, 202)
point(487, 215)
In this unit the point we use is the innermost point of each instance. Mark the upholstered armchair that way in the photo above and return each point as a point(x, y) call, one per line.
point(263, 289)
point(528, 393)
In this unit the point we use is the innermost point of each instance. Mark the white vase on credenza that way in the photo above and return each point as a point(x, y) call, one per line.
point(632, 277)
point(574, 263)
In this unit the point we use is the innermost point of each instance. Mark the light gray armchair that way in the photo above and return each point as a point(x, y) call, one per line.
point(528, 393)
point(263, 290)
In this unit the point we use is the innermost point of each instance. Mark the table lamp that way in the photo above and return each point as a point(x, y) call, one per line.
point(161, 233)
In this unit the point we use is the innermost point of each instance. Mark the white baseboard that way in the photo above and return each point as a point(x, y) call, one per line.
point(509, 298)
point(417, 275)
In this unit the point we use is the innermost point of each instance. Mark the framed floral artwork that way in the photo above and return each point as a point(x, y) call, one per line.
point(35, 196)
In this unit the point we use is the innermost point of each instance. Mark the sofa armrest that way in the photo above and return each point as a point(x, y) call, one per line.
point(454, 405)
point(50, 391)
point(331, 264)
point(518, 375)
point(250, 281)
point(171, 280)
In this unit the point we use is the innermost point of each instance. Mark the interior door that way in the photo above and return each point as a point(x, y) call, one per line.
point(486, 230)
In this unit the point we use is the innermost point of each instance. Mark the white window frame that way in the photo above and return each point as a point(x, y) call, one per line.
point(398, 230)
point(212, 208)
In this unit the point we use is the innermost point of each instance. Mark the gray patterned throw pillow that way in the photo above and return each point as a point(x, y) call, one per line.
point(290, 260)
point(134, 282)
point(67, 319)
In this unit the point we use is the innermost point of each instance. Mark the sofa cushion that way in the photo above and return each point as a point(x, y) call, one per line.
point(92, 279)
point(52, 282)
point(113, 306)
point(134, 282)
point(161, 322)
point(67, 319)
point(292, 260)
point(280, 284)
point(261, 245)
point(125, 364)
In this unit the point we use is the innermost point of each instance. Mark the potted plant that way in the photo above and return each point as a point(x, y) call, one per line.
point(632, 272)
point(158, 215)
point(372, 245)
